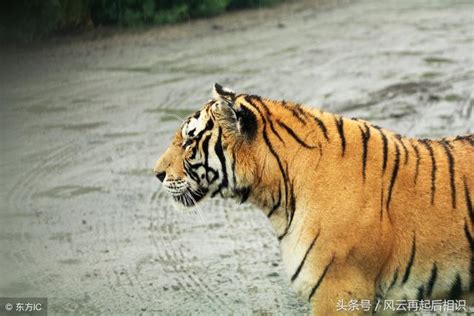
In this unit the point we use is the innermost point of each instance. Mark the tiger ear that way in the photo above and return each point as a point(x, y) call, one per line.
point(237, 119)
point(223, 108)
point(221, 93)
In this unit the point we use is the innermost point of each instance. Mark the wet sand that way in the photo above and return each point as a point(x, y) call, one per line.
point(83, 220)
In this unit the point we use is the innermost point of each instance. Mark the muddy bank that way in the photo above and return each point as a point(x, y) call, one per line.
point(82, 219)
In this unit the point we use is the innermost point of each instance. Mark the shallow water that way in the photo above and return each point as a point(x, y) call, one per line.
point(83, 220)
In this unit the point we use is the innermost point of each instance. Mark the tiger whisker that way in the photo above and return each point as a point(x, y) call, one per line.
point(196, 205)
point(177, 205)
point(197, 208)
point(199, 190)
point(178, 118)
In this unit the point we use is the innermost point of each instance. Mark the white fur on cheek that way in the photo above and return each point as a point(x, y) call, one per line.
point(193, 124)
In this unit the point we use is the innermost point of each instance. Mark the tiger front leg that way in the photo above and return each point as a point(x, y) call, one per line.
point(342, 290)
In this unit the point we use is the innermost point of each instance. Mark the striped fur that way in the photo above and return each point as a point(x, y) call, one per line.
point(360, 212)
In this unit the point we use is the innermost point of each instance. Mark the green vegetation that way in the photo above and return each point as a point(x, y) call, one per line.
point(26, 20)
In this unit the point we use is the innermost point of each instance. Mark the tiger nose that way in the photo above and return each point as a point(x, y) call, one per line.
point(161, 176)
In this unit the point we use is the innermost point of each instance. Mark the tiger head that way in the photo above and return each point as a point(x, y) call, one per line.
point(201, 160)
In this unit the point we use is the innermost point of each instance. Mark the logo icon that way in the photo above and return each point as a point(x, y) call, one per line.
point(8, 307)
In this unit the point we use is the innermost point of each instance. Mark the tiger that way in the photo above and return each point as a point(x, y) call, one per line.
point(360, 212)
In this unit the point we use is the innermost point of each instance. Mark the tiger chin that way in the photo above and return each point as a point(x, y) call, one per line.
point(361, 213)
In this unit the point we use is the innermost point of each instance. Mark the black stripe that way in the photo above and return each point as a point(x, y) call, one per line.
point(432, 280)
point(268, 115)
point(243, 193)
point(191, 132)
point(315, 287)
point(394, 174)
point(471, 271)
point(467, 196)
point(451, 172)
point(292, 133)
point(421, 293)
point(417, 154)
point(248, 99)
point(194, 151)
point(394, 279)
point(323, 128)
point(447, 142)
point(298, 270)
point(277, 205)
point(291, 212)
point(274, 131)
point(234, 179)
point(340, 130)
point(456, 288)
point(365, 140)
point(466, 138)
point(208, 127)
point(296, 111)
point(410, 262)
point(220, 154)
point(267, 140)
point(190, 172)
point(470, 240)
point(205, 150)
point(247, 123)
point(213, 194)
point(292, 202)
point(385, 147)
point(300, 111)
point(267, 112)
point(196, 114)
point(470, 139)
point(405, 150)
point(426, 143)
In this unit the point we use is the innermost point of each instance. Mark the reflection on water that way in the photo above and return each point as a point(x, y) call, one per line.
point(82, 219)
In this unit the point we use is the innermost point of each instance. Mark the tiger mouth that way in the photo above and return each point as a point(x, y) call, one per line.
point(189, 197)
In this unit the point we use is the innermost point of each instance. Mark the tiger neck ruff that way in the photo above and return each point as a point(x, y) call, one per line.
point(360, 212)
